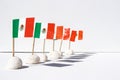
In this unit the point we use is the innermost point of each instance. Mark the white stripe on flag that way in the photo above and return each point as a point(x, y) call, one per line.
point(21, 30)
point(43, 32)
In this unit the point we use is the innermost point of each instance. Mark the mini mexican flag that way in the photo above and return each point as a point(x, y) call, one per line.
point(19, 30)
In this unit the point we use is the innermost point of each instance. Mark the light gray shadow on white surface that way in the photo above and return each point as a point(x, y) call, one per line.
point(76, 58)
point(69, 61)
point(40, 63)
point(24, 67)
point(57, 65)
point(81, 56)
point(73, 59)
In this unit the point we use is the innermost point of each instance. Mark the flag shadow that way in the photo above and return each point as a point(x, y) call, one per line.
point(69, 61)
point(24, 67)
point(57, 65)
point(73, 59)
point(81, 56)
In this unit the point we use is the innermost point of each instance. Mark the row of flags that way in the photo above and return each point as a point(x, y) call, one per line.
point(29, 28)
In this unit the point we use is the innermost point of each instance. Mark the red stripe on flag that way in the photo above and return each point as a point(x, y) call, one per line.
point(29, 27)
point(80, 35)
point(66, 33)
point(50, 31)
point(73, 35)
point(59, 32)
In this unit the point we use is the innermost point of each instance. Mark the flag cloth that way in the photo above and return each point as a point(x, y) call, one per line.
point(50, 31)
point(37, 30)
point(66, 33)
point(15, 24)
point(19, 29)
point(80, 35)
point(59, 32)
point(29, 27)
point(43, 32)
point(73, 35)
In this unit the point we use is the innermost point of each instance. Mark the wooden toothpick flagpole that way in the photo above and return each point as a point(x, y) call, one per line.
point(33, 46)
point(13, 47)
point(69, 45)
point(60, 45)
point(44, 46)
point(53, 43)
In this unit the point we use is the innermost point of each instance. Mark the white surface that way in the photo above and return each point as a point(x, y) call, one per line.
point(99, 19)
point(81, 66)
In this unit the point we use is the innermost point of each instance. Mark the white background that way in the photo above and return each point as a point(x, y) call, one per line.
point(99, 19)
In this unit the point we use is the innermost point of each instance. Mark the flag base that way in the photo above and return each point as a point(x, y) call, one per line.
point(54, 55)
point(14, 63)
point(60, 53)
point(43, 57)
point(33, 59)
point(68, 52)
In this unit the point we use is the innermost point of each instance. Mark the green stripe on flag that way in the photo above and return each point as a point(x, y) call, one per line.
point(15, 25)
point(37, 30)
